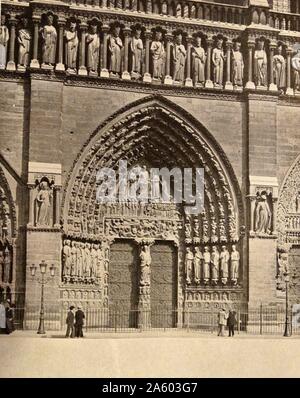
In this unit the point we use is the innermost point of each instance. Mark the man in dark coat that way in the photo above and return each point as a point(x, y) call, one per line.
point(70, 322)
point(79, 317)
point(231, 321)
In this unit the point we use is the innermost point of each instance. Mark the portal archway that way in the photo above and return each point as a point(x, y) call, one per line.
point(157, 133)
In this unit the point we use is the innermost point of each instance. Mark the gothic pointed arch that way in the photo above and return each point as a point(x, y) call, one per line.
point(288, 210)
point(159, 133)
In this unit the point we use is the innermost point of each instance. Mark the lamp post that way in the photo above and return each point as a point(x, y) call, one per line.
point(287, 328)
point(42, 281)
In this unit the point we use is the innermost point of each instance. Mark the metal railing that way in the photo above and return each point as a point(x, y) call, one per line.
point(261, 320)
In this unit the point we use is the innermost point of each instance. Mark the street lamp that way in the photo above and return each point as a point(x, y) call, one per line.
point(42, 281)
point(287, 328)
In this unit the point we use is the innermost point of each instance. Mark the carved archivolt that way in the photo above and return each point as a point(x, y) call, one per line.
point(7, 230)
point(288, 213)
point(156, 132)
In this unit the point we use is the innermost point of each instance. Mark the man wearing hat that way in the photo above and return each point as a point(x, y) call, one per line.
point(79, 317)
point(70, 322)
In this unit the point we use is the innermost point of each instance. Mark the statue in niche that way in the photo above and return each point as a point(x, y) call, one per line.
point(206, 265)
point(71, 47)
point(1, 264)
point(279, 65)
point(296, 69)
point(44, 203)
point(145, 262)
point(24, 40)
point(235, 265)
point(158, 54)
point(215, 262)
point(263, 215)
point(4, 37)
point(198, 62)
point(189, 259)
point(115, 48)
point(237, 65)
point(224, 257)
point(218, 59)
point(260, 64)
point(93, 47)
point(198, 257)
point(179, 58)
point(66, 260)
point(6, 265)
point(137, 50)
point(49, 39)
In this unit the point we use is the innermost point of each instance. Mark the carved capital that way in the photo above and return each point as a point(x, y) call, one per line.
point(148, 34)
point(105, 28)
point(126, 31)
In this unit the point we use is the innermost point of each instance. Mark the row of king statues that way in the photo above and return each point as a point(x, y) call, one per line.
point(211, 265)
point(83, 262)
point(161, 63)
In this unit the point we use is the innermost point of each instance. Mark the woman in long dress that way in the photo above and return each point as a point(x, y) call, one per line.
point(2, 318)
point(44, 204)
point(10, 327)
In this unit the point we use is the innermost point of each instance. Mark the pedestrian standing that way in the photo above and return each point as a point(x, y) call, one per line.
point(79, 319)
point(9, 314)
point(222, 321)
point(231, 321)
point(70, 321)
point(2, 318)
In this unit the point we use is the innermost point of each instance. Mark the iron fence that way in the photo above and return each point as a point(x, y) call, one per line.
point(263, 320)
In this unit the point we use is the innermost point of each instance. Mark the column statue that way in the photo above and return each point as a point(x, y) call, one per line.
point(224, 257)
point(79, 261)
point(297, 202)
point(263, 214)
point(71, 47)
point(1, 264)
point(24, 40)
point(206, 265)
point(145, 262)
point(198, 62)
point(93, 47)
point(215, 262)
point(218, 58)
point(279, 69)
point(115, 48)
point(260, 64)
point(66, 255)
point(189, 259)
point(87, 261)
point(93, 262)
point(49, 39)
point(7, 265)
point(179, 58)
point(44, 204)
point(73, 261)
point(198, 257)
point(4, 37)
point(100, 262)
point(296, 69)
point(237, 65)
point(158, 54)
point(235, 265)
point(137, 50)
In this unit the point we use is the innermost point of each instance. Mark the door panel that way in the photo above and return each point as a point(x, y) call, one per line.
point(163, 291)
point(123, 284)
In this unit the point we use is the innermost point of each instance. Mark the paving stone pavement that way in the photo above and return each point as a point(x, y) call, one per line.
point(26, 354)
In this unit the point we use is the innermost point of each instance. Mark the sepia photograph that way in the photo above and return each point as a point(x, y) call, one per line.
point(150, 190)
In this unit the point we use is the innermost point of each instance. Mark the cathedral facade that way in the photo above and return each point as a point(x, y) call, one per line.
point(158, 83)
